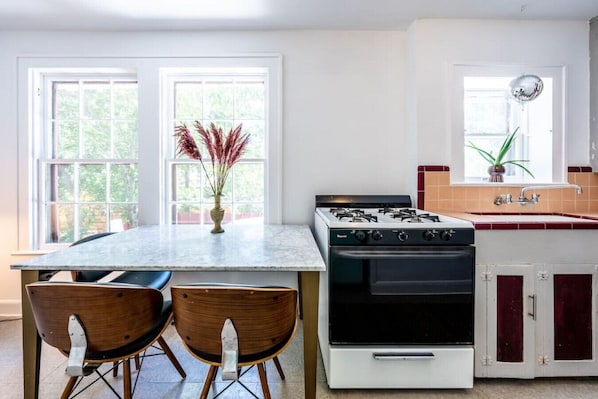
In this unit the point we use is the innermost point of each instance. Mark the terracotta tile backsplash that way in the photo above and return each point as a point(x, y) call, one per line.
point(435, 193)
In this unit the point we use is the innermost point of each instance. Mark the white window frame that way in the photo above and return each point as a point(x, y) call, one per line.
point(153, 138)
point(459, 71)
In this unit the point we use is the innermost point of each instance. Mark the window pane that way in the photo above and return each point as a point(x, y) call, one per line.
point(187, 182)
point(124, 183)
point(189, 97)
point(249, 213)
point(60, 183)
point(126, 144)
point(66, 137)
point(125, 100)
point(123, 217)
point(249, 182)
point(96, 139)
point(92, 183)
point(60, 222)
point(96, 102)
point(92, 220)
point(66, 100)
point(218, 100)
point(250, 100)
point(257, 139)
point(187, 214)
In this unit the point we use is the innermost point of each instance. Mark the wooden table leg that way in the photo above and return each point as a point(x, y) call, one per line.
point(31, 340)
point(310, 286)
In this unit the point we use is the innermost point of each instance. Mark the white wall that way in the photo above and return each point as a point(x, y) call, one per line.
point(439, 44)
point(342, 95)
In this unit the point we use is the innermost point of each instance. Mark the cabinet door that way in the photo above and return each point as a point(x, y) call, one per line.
point(567, 325)
point(511, 310)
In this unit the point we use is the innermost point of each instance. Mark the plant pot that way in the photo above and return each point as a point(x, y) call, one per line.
point(217, 214)
point(496, 172)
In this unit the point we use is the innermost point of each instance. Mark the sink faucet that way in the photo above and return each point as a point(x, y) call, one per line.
point(507, 198)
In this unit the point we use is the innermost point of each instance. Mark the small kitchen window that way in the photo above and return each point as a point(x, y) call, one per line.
point(484, 114)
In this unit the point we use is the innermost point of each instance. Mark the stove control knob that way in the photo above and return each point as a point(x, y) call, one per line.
point(377, 235)
point(402, 236)
point(430, 234)
point(360, 235)
point(446, 235)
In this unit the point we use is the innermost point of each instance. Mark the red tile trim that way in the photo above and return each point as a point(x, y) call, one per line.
point(532, 226)
point(433, 168)
point(579, 169)
point(560, 226)
point(505, 226)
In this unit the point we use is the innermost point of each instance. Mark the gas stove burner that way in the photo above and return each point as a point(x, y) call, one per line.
point(353, 215)
point(423, 218)
point(409, 215)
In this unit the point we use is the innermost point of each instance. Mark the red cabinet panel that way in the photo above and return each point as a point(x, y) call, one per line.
point(509, 319)
point(572, 316)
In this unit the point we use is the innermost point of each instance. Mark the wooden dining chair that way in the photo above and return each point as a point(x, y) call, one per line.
point(96, 323)
point(264, 319)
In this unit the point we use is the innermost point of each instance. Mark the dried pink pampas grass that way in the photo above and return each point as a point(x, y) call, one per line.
point(224, 150)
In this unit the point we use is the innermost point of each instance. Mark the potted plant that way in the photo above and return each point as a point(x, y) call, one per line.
point(497, 162)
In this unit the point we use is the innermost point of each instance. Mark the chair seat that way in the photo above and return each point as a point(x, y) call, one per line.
point(153, 279)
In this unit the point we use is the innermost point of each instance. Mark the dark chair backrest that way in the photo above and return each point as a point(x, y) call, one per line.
point(113, 315)
point(265, 319)
point(90, 276)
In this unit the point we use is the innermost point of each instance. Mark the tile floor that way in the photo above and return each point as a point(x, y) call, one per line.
point(159, 380)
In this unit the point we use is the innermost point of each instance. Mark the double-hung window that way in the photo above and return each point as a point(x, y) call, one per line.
point(98, 152)
point(225, 98)
point(86, 155)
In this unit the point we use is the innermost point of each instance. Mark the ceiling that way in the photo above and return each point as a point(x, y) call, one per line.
point(160, 15)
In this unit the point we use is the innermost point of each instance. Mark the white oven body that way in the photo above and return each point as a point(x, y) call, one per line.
point(387, 366)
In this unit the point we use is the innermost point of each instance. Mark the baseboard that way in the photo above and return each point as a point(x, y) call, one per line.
point(10, 309)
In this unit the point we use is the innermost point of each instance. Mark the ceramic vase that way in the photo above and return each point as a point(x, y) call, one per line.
point(217, 214)
point(496, 173)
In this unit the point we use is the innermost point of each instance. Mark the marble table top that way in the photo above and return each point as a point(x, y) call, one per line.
point(191, 248)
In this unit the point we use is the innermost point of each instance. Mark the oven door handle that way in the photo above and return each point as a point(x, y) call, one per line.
point(397, 254)
point(404, 356)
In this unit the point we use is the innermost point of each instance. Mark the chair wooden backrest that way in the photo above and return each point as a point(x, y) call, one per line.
point(265, 319)
point(113, 315)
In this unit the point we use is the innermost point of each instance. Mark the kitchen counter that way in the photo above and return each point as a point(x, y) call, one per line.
point(528, 220)
point(189, 248)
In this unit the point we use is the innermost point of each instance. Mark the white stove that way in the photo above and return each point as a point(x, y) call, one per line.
point(397, 299)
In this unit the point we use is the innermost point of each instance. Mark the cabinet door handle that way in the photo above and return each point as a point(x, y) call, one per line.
point(533, 312)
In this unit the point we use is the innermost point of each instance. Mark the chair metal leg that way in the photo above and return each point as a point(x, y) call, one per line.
point(264, 380)
point(171, 357)
point(278, 367)
point(127, 378)
point(208, 383)
point(69, 387)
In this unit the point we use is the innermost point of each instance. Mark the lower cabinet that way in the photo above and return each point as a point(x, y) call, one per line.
point(535, 320)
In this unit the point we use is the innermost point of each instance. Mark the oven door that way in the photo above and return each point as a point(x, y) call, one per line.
point(401, 295)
